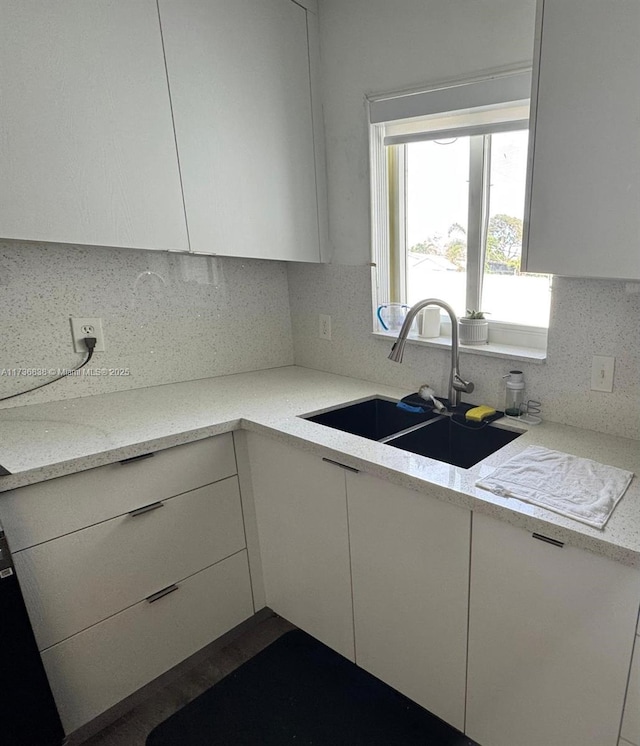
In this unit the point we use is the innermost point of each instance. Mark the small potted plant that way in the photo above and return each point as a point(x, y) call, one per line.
point(474, 328)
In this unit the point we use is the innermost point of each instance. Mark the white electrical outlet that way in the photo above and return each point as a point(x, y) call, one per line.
point(602, 373)
point(325, 326)
point(86, 327)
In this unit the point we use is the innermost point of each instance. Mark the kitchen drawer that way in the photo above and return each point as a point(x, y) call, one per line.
point(98, 667)
point(79, 579)
point(631, 720)
point(39, 512)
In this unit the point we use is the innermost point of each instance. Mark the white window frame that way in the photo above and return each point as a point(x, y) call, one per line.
point(456, 108)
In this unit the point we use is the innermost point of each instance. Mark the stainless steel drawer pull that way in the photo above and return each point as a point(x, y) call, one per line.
point(133, 459)
point(342, 466)
point(146, 509)
point(161, 594)
point(548, 540)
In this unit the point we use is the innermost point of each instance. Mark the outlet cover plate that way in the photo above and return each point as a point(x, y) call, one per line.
point(85, 326)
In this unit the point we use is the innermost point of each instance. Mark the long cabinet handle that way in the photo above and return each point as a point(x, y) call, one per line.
point(161, 594)
point(342, 466)
point(548, 540)
point(146, 509)
point(135, 459)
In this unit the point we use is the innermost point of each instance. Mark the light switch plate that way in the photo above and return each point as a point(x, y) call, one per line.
point(325, 326)
point(602, 369)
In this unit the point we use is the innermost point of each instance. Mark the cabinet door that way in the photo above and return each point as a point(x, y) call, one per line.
point(301, 510)
point(410, 565)
point(240, 88)
point(87, 149)
point(550, 638)
point(583, 216)
point(631, 720)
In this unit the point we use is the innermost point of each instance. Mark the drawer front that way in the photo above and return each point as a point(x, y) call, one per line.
point(631, 720)
point(95, 669)
point(43, 511)
point(77, 580)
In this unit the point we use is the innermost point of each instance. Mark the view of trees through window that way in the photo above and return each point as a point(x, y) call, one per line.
point(504, 245)
point(438, 178)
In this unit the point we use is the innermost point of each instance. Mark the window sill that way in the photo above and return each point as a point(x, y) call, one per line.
point(505, 352)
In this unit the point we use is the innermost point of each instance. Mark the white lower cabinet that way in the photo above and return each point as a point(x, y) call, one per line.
point(130, 568)
point(396, 563)
point(631, 720)
point(121, 589)
point(98, 667)
point(551, 631)
point(410, 564)
point(301, 511)
point(46, 510)
point(79, 579)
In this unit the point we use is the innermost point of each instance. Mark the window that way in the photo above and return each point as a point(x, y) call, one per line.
point(448, 194)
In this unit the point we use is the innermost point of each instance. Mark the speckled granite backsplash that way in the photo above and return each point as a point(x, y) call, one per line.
point(166, 317)
point(588, 317)
point(174, 317)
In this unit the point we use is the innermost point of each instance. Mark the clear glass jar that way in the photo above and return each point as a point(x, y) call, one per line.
point(514, 398)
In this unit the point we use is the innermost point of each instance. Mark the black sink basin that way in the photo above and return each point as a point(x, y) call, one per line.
point(460, 444)
point(374, 419)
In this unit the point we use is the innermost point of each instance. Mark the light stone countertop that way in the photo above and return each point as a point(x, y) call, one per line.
point(45, 441)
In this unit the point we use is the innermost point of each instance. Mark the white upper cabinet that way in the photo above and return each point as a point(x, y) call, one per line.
point(584, 190)
point(87, 149)
point(240, 81)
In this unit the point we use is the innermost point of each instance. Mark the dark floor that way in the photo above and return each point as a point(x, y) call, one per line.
point(132, 729)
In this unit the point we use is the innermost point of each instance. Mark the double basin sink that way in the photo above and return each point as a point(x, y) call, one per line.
point(447, 438)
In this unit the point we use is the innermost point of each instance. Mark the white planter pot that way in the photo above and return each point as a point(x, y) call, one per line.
point(473, 331)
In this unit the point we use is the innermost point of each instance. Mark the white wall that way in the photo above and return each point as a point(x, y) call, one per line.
point(376, 46)
point(167, 317)
point(373, 46)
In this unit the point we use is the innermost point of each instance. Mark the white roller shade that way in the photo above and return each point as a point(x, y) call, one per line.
point(470, 108)
point(464, 124)
point(491, 91)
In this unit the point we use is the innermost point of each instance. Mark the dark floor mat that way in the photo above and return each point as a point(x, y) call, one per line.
point(298, 691)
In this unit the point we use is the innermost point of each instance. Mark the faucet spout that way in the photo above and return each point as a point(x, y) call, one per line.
point(456, 383)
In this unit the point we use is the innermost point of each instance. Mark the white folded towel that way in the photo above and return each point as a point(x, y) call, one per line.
point(578, 488)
